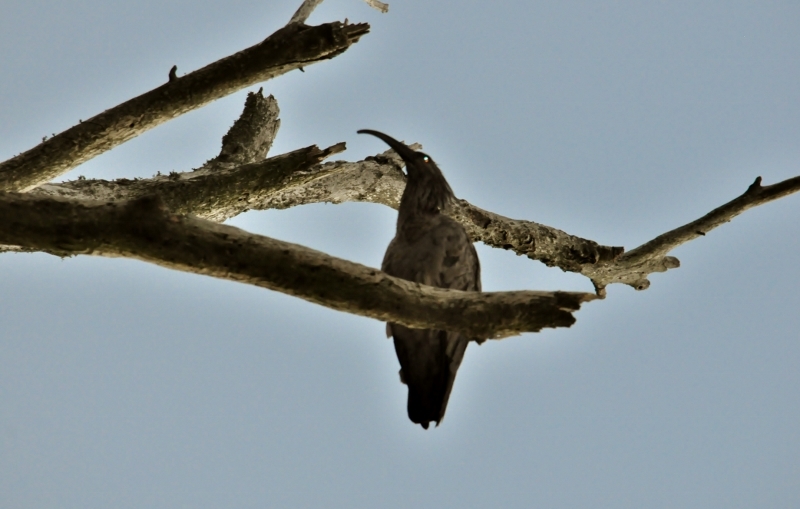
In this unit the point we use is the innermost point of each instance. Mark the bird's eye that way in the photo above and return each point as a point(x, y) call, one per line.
point(426, 159)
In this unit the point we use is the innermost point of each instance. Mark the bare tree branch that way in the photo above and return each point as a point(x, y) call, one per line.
point(308, 6)
point(375, 4)
point(289, 48)
point(283, 183)
point(238, 180)
point(380, 179)
point(226, 185)
point(633, 267)
point(216, 194)
point(144, 229)
point(304, 11)
point(251, 136)
point(377, 179)
point(551, 246)
point(279, 182)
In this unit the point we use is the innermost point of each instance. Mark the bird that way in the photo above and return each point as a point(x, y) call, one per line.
point(433, 249)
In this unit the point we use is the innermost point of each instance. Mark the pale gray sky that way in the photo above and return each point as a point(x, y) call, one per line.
point(127, 385)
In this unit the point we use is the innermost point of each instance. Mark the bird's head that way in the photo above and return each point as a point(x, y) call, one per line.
point(417, 163)
point(427, 188)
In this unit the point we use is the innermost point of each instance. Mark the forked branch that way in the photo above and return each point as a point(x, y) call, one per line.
point(633, 267)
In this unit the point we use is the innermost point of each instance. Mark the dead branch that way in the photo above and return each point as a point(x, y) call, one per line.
point(375, 4)
point(251, 136)
point(219, 194)
point(308, 6)
point(633, 267)
point(226, 185)
point(380, 179)
point(294, 179)
point(144, 229)
point(289, 48)
point(238, 179)
point(304, 11)
point(213, 193)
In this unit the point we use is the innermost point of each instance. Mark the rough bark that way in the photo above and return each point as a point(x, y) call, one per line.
point(380, 179)
point(144, 229)
point(291, 47)
point(376, 179)
point(239, 179)
point(251, 136)
point(216, 195)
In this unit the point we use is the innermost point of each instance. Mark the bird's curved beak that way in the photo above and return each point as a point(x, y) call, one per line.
point(401, 148)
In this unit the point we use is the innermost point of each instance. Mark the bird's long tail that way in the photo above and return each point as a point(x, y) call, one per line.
point(429, 360)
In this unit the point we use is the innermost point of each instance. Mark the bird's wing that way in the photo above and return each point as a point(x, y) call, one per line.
point(460, 268)
point(443, 257)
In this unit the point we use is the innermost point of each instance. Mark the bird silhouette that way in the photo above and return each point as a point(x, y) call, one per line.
point(433, 249)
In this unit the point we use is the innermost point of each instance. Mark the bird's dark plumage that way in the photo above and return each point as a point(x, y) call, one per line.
point(435, 250)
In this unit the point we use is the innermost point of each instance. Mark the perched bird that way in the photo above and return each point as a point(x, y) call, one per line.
point(433, 249)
